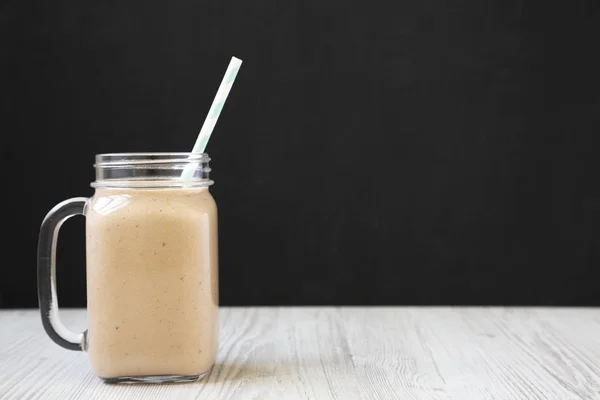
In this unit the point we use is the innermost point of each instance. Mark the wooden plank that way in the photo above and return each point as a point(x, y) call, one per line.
point(341, 353)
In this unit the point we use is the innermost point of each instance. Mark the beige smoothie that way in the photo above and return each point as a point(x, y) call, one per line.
point(152, 281)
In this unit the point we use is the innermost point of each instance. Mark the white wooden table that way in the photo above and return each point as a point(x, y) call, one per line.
point(341, 353)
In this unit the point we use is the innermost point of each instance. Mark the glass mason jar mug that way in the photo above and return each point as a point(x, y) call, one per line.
point(152, 269)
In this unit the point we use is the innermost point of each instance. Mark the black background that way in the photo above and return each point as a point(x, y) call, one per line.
point(370, 152)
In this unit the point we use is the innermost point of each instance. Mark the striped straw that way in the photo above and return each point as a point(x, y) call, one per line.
point(213, 113)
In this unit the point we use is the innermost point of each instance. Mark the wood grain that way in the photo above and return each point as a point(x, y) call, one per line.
point(341, 353)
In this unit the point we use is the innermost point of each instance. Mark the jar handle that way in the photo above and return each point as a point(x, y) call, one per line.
point(46, 274)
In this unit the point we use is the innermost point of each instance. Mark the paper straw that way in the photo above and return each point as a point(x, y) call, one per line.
point(213, 113)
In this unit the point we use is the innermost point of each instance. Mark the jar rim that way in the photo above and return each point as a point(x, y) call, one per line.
point(152, 169)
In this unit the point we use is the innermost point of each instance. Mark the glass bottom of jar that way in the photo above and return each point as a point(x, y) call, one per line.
point(155, 379)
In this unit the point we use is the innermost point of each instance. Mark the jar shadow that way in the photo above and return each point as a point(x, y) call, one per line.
point(225, 372)
point(220, 373)
point(228, 372)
